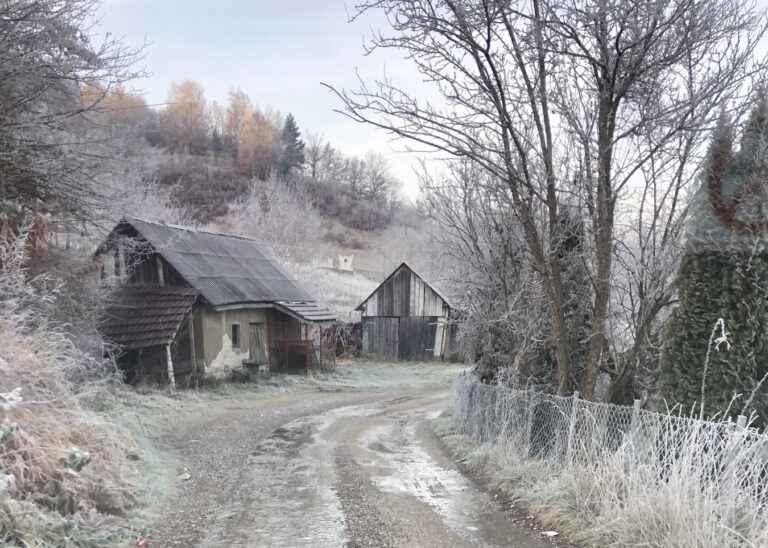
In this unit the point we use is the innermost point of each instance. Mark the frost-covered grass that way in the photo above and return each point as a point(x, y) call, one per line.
point(670, 482)
point(363, 374)
point(338, 291)
point(64, 466)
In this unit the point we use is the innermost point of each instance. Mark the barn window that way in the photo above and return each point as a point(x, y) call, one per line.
point(235, 335)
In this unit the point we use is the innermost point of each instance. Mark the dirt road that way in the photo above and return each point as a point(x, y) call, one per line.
point(328, 469)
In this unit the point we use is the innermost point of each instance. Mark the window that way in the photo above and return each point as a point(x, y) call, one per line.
point(235, 335)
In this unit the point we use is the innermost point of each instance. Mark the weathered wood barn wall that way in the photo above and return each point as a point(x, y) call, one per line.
point(406, 319)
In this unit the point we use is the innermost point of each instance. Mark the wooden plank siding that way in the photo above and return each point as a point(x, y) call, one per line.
point(416, 337)
point(403, 294)
point(403, 318)
point(381, 337)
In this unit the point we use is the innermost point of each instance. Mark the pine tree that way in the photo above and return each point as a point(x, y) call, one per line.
point(724, 275)
point(217, 144)
point(291, 146)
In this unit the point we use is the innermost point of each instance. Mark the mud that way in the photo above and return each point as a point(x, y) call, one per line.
point(362, 470)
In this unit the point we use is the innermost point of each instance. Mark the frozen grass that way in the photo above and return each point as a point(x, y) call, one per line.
point(64, 467)
point(338, 291)
point(670, 482)
point(358, 374)
point(365, 374)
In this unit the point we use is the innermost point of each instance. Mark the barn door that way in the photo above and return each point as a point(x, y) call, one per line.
point(381, 337)
point(257, 349)
point(391, 338)
point(417, 338)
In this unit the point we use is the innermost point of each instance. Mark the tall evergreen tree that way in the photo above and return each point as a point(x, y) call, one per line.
point(291, 146)
point(724, 275)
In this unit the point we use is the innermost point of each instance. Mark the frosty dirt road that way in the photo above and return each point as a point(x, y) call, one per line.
point(331, 469)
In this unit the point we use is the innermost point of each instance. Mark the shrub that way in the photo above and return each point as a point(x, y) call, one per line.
point(63, 466)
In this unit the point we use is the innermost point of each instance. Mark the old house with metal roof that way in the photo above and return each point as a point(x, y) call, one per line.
point(193, 303)
point(406, 318)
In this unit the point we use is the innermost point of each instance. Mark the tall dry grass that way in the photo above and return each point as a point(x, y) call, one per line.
point(610, 477)
point(63, 466)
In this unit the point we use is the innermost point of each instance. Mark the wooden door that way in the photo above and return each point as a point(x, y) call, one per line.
point(417, 338)
point(257, 343)
point(380, 337)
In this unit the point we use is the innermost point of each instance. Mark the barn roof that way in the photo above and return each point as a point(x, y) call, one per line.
point(224, 268)
point(140, 316)
point(395, 271)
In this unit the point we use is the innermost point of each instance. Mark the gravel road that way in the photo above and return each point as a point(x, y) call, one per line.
point(327, 469)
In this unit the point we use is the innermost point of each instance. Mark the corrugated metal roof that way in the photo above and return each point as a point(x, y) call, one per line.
point(140, 316)
point(309, 312)
point(224, 268)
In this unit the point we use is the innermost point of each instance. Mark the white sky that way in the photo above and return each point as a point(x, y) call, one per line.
point(276, 51)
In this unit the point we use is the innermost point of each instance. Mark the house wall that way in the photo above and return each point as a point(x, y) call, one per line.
point(216, 329)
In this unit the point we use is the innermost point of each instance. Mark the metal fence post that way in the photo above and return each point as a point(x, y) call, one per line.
point(529, 403)
point(634, 423)
point(572, 425)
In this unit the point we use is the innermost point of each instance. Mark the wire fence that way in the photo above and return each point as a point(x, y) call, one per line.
point(718, 465)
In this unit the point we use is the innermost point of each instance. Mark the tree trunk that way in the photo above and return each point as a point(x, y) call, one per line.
point(603, 245)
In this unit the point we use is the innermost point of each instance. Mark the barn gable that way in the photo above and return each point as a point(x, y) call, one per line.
point(404, 293)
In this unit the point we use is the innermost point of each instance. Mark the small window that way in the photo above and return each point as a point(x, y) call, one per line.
point(235, 335)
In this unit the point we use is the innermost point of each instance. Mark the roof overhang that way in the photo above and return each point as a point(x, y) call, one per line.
point(142, 316)
point(303, 311)
point(307, 312)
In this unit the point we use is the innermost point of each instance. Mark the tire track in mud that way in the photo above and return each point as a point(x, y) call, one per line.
point(368, 524)
point(363, 475)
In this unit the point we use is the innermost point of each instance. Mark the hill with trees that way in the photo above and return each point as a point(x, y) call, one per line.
point(207, 155)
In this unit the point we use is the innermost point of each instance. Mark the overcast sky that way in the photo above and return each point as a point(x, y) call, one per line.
point(276, 51)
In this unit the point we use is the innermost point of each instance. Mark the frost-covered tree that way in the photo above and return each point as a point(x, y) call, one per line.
point(52, 154)
point(724, 276)
point(620, 94)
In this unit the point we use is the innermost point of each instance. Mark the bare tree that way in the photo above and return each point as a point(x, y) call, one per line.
point(570, 99)
point(276, 212)
point(50, 155)
point(314, 153)
point(377, 179)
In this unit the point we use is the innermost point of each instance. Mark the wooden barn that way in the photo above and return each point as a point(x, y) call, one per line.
point(405, 318)
point(193, 304)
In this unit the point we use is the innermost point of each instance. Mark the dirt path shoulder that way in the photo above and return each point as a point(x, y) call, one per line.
point(213, 444)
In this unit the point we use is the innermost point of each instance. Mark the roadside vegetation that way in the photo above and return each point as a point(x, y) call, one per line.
point(79, 150)
point(66, 469)
point(606, 475)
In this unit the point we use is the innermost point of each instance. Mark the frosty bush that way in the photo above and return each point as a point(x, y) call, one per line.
point(619, 476)
point(64, 467)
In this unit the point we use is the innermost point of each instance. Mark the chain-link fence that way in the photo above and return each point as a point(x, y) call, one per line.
point(722, 464)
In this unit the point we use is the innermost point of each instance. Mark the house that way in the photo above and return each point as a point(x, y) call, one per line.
point(192, 303)
point(406, 318)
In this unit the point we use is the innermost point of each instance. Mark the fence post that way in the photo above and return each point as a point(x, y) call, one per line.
point(572, 425)
point(634, 424)
point(741, 421)
point(529, 403)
